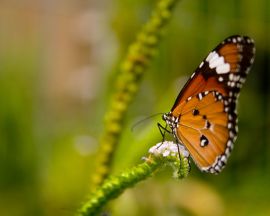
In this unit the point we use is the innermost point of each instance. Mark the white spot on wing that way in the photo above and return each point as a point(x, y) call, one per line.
point(236, 78)
point(210, 56)
point(231, 76)
point(203, 142)
point(200, 96)
point(220, 79)
point(224, 159)
point(229, 143)
point(216, 61)
point(202, 63)
point(225, 68)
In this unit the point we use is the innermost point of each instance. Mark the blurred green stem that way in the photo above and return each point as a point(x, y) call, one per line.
point(113, 186)
point(134, 65)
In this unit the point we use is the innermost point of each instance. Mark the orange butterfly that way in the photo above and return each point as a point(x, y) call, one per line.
point(203, 117)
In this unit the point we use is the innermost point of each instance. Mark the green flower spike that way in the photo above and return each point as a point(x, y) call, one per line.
point(166, 153)
point(171, 152)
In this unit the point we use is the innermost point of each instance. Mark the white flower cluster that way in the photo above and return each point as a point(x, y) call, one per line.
point(168, 148)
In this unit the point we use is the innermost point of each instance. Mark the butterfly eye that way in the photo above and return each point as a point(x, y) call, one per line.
point(203, 117)
point(164, 116)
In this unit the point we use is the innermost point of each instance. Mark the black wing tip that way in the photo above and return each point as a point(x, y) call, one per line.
point(239, 39)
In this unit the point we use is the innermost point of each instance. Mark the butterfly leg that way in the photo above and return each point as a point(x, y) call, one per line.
point(178, 149)
point(163, 131)
point(178, 143)
point(180, 158)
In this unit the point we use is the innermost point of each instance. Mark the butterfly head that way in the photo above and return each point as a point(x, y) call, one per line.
point(170, 120)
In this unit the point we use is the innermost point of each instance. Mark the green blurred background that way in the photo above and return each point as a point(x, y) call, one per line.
point(58, 61)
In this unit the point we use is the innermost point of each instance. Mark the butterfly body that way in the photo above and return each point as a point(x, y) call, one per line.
point(203, 117)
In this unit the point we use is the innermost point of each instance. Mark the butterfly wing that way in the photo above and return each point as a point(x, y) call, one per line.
point(207, 130)
point(206, 106)
point(224, 69)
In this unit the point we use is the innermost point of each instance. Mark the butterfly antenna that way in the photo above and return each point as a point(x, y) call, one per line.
point(144, 119)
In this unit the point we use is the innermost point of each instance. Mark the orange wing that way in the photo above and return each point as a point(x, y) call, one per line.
point(203, 117)
point(203, 129)
point(224, 69)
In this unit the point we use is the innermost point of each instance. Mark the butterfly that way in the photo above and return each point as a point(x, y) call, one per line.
point(203, 117)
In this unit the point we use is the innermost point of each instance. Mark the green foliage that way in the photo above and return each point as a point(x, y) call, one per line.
point(45, 170)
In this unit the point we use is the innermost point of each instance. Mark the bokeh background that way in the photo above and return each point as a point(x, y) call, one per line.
point(58, 61)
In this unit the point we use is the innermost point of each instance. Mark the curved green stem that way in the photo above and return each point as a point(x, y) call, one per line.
point(115, 185)
point(161, 154)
